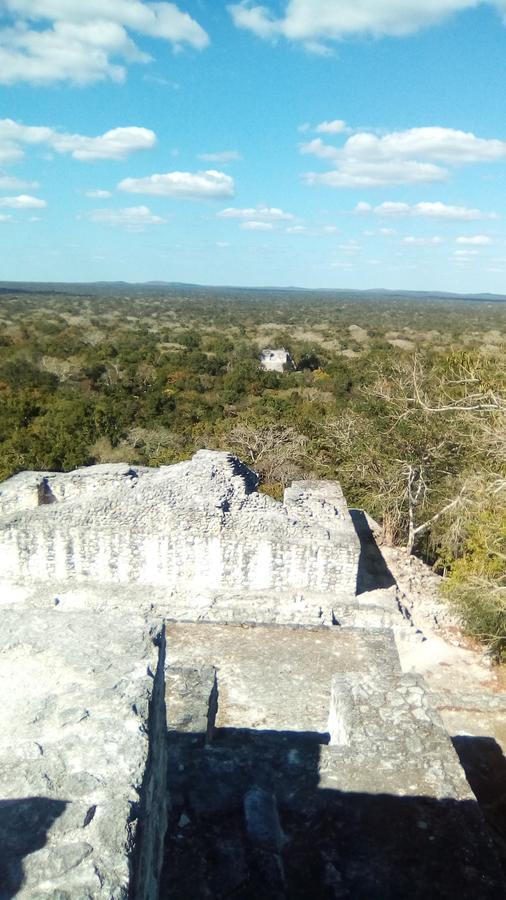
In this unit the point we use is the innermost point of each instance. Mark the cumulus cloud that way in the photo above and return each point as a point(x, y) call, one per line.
point(336, 126)
point(54, 40)
point(5, 218)
point(257, 213)
point(224, 156)
point(318, 148)
point(312, 22)
point(11, 183)
point(194, 186)
point(23, 201)
point(481, 240)
point(98, 194)
point(257, 226)
point(377, 174)
point(131, 218)
point(417, 155)
point(429, 210)
point(422, 241)
point(115, 144)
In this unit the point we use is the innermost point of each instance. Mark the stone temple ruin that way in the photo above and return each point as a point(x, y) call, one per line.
point(278, 360)
point(201, 699)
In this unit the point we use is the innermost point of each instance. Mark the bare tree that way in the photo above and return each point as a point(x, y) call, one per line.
point(277, 453)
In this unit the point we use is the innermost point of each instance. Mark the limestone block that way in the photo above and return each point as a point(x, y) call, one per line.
point(195, 526)
point(387, 721)
point(276, 360)
point(82, 755)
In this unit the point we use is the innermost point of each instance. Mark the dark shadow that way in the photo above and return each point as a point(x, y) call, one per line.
point(373, 572)
point(249, 822)
point(485, 766)
point(24, 825)
point(46, 495)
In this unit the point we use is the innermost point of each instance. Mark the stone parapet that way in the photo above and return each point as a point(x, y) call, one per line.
point(199, 525)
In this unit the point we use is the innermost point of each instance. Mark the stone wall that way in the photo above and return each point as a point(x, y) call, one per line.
point(200, 525)
point(83, 756)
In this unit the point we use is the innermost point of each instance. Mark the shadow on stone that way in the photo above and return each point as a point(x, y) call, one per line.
point(24, 825)
point(249, 820)
point(485, 766)
point(373, 572)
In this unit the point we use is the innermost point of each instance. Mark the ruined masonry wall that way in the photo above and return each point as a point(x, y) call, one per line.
point(199, 525)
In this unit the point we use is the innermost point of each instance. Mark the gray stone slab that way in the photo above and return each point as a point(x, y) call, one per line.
point(82, 754)
point(278, 678)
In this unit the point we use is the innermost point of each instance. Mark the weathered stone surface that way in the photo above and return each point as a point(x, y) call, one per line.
point(301, 761)
point(83, 756)
point(196, 526)
point(326, 786)
point(276, 360)
point(273, 677)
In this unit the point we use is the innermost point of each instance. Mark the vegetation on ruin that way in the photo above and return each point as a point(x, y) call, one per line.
point(400, 398)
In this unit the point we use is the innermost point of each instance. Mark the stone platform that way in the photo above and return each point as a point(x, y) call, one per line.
point(303, 763)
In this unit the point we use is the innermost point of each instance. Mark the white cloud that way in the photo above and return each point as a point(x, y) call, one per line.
point(114, 144)
point(98, 194)
point(429, 210)
point(5, 218)
point(11, 183)
point(417, 155)
point(422, 241)
point(336, 126)
point(258, 213)
point(257, 226)
point(313, 21)
point(23, 201)
point(482, 240)
point(296, 229)
point(377, 174)
point(341, 265)
point(195, 186)
point(446, 145)
point(464, 254)
point(318, 148)
point(224, 156)
point(54, 40)
point(132, 218)
point(14, 134)
point(164, 82)
point(350, 248)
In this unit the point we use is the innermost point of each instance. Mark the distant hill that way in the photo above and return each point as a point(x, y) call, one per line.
point(172, 287)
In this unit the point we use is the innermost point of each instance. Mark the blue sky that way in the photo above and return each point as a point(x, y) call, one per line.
point(320, 143)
